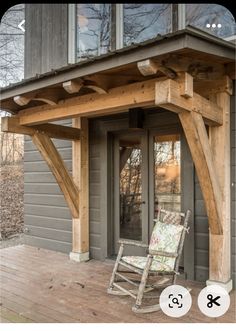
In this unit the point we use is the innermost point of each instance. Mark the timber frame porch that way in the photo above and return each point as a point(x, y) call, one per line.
point(41, 286)
point(188, 73)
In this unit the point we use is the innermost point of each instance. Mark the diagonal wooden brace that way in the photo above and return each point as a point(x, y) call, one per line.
point(199, 145)
point(59, 170)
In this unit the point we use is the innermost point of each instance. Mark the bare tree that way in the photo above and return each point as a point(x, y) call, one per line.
point(11, 71)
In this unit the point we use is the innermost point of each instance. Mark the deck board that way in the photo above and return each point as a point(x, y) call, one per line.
point(43, 286)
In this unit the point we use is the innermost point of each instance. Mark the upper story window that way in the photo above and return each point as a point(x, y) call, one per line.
point(105, 27)
point(93, 30)
point(145, 21)
point(12, 45)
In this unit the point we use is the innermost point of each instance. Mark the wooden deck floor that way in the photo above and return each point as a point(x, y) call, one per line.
point(38, 285)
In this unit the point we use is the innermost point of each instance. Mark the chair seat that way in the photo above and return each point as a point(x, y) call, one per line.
point(140, 262)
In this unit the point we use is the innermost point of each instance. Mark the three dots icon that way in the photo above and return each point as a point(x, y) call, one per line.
point(208, 25)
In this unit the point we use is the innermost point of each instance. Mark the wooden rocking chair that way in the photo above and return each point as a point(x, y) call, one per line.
point(161, 266)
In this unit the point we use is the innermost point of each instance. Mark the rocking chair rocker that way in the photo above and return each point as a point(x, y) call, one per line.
point(161, 264)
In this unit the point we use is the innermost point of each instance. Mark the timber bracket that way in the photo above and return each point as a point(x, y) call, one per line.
point(194, 111)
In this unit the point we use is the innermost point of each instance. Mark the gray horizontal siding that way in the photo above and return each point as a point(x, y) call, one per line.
point(47, 217)
point(54, 245)
point(201, 255)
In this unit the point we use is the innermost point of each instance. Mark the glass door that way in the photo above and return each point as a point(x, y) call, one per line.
point(166, 170)
point(131, 200)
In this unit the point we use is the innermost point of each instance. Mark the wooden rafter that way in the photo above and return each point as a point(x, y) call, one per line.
point(149, 67)
point(49, 99)
point(72, 86)
point(176, 96)
point(116, 100)
point(11, 124)
point(59, 170)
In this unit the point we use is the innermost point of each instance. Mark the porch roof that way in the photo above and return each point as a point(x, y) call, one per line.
point(183, 47)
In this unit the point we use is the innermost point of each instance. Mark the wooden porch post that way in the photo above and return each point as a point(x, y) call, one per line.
point(80, 162)
point(220, 245)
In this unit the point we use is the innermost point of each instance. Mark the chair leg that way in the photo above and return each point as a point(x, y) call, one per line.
point(115, 268)
point(142, 284)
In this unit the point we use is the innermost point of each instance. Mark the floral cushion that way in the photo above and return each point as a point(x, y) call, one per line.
point(140, 262)
point(172, 218)
point(166, 238)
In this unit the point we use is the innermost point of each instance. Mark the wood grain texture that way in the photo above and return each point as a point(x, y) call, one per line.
point(116, 100)
point(220, 246)
point(198, 142)
point(39, 285)
point(57, 166)
point(169, 96)
point(11, 124)
point(80, 156)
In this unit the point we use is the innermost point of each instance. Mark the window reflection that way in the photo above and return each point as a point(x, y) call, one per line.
point(167, 187)
point(130, 188)
point(93, 30)
point(145, 21)
point(12, 46)
point(212, 18)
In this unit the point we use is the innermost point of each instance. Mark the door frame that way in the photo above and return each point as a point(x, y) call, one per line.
point(165, 120)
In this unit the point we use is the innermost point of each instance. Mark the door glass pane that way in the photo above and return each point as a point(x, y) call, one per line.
point(167, 188)
point(93, 29)
point(212, 18)
point(145, 21)
point(130, 188)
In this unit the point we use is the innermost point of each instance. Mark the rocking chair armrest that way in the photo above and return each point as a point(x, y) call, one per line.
point(132, 242)
point(162, 253)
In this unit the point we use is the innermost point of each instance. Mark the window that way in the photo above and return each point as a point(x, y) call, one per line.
point(105, 27)
point(93, 30)
point(12, 46)
point(212, 18)
point(167, 186)
point(145, 21)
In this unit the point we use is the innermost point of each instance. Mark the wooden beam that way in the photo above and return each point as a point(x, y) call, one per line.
point(168, 96)
point(208, 87)
point(58, 168)
point(21, 101)
point(220, 246)
point(186, 85)
point(99, 88)
point(149, 67)
point(80, 164)
point(116, 100)
point(49, 99)
point(11, 124)
point(72, 86)
point(198, 142)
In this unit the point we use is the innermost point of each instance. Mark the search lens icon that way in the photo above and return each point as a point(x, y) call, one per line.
point(175, 301)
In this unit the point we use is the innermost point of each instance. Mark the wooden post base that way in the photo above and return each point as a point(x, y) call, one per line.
point(228, 286)
point(79, 257)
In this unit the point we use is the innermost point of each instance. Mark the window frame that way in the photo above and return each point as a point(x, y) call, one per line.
point(119, 27)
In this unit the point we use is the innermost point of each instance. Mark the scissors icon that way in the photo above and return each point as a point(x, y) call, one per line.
point(212, 301)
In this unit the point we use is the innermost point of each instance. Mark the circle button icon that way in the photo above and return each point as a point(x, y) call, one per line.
point(213, 301)
point(175, 301)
